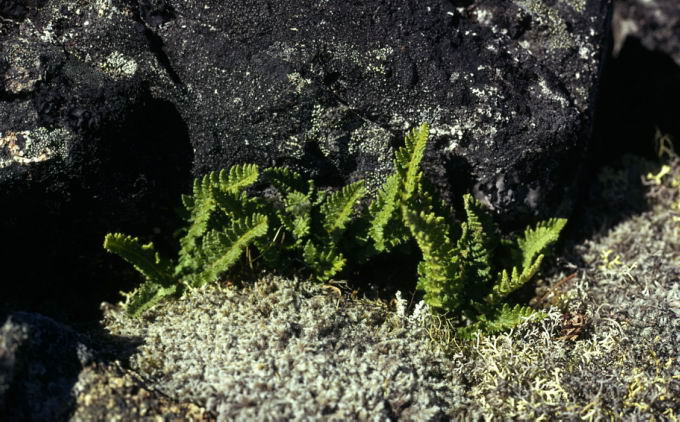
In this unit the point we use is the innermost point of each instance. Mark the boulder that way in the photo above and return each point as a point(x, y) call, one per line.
point(642, 83)
point(85, 148)
point(40, 361)
point(656, 23)
point(329, 88)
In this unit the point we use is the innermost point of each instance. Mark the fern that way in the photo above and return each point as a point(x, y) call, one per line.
point(324, 261)
point(500, 319)
point(296, 216)
point(387, 230)
point(462, 272)
point(338, 207)
point(439, 271)
point(537, 239)
point(477, 242)
point(223, 249)
point(285, 180)
point(159, 281)
point(457, 277)
point(407, 161)
point(142, 257)
point(383, 212)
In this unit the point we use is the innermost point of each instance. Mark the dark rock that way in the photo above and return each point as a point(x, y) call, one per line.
point(107, 391)
point(329, 88)
point(642, 85)
point(85, 148)
point(40, 361)
point(656, 23)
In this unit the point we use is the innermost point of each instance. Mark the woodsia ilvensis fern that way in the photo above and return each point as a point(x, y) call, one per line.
point(466, 272)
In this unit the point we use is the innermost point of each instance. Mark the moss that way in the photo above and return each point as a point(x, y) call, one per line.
point(298, 350)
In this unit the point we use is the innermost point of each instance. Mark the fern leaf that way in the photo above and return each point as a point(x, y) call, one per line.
point(503, 318)
point(188, 202)
point(146, 296)
point(237, 178)
point(408, 159)
point(536, 240)
point(296, 216)
point(338, 206)
point(142, 257)
point(440, 275)
point(386, 228)
point(477, 242)
point(285, 180)
point(203, 206)
point(159, 280)
point(324, 262)
point(222, 250)
point(507, 284)
point(235, 205)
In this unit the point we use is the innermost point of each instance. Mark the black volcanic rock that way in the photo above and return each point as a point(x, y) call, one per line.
point(40, 361)
point(642, 85)
point(329, 88)
point(85, 148)
point(656, 23)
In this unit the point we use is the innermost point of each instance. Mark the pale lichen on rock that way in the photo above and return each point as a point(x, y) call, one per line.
point(26, 147)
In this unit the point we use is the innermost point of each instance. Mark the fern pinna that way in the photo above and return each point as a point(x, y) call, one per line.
point(464, 272)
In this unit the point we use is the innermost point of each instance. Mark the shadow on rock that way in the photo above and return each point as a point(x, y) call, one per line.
point(128, 177)
point(640, 96)
point(40, 360)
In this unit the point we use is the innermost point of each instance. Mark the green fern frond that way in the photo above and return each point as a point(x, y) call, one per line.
point(296, 216)
point(477, 242)
point(159, 281)
point(324, 261)
point(143, 258)
point(285, 180)
point(503, 318)
point(338, 207)
point(536, 240)
point(507, 284)
point(237, 178)
point(440, 270)
point(236, 205)
point(223, 249)
point(147, 295)
point(386, 229)
point(188, 202)
point(408, 159)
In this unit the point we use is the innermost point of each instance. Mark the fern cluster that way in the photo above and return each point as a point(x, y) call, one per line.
point(466, 272)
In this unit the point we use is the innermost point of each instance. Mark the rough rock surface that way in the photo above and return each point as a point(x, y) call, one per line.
point(642, 82)
point(40, 360)
point(108, 392)
point(330, 86)
point(85, 148)
point(656, 23)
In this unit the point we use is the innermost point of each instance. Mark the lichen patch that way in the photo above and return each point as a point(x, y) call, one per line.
point(26, 147)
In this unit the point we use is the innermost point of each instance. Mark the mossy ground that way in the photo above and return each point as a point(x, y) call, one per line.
point(291, 350)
